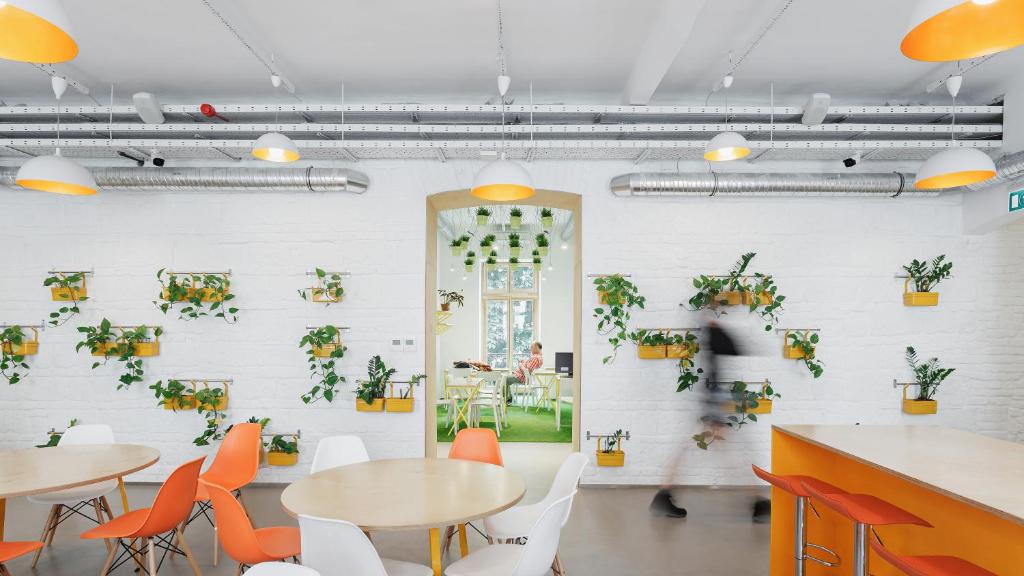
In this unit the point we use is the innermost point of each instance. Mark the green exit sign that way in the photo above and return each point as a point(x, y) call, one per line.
point(1016, 200)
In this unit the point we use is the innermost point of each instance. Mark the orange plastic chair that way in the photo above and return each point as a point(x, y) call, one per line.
point(478, 445)
point(11, 550)
point(931, 565)
point(241, 541)
point(235, 466)
point(153, 526)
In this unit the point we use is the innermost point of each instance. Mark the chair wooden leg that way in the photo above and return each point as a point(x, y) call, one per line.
point(106, 507)
point(53, 526)
point(556, 566)
point(151, 556)
point(3, 571)
point(46, 533)
point(238, 571)
point(110, 558)
point(216, 547)
point(188, 552)
point(99, 518)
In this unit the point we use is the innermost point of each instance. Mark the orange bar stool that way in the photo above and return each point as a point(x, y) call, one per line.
point(866, 511)
point(235, 466)
point(243, 543)
point(11, 550)
point(160, 522)
point(794, 485)
point(478, 445)
point(931, 565)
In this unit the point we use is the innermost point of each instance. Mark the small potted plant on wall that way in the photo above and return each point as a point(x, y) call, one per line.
point(370, 394)
point(617, 296)
point(482, 215)
point(69, 289)
point(449, 297)
point(174, 396)
point(803, 345)
point(323, 351)
point(927, 377)
point(515, 218)
point(53, 437)
point(199, 295)
point(513, 245)
point(14, 347)
point(328, 289)
point(610, 452)
point(405, 401)
point(543, 244)
point(547, 218)
point(650, 344)
point(925, 277)
point(283, 452)
point(127, 344)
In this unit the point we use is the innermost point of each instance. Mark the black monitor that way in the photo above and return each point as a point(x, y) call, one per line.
point(563, 363)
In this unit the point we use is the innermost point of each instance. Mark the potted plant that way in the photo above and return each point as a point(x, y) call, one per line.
point(53, 437)
point(456, 247)
point(14, 347)
point(513, 263)
point(745, 406)
point(283, 452)
point(515, 218)
point(609, 452)
point(211, 403)
point(513, 245)
point(803, 346)
point(404, 402)
point(491, 263)
point(925, 276)
point(482, 214)
point(547, 218)
point(618, 296)
point(650, 345)
point(68, 288)
point(537, 263)
point(927, 376)
point(323, 350)
point(128, 344)
point(734, 289)
point(199, 294)
point(328, 288)
point(449, 297)
point(543, 244)
point(370, 394)
point(174, 396)
point(486, 242)
point(469, 262)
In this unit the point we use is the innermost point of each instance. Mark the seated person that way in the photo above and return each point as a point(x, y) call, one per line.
point(521, 374)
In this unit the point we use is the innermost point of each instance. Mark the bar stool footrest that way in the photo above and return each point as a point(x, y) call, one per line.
point(836, 560)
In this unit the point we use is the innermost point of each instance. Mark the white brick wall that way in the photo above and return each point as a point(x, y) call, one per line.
point(833, 258)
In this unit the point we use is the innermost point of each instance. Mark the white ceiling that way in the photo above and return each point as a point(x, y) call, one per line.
point(574, 51)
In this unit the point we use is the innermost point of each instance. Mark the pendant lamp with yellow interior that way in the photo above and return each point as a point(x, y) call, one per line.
point(948, 30)
point(503, 181)
point(956, 166)
point(35, 31)
point(727, 145)
point(274, 146)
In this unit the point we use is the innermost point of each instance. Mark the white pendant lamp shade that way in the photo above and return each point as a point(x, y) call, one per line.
point(955, 167)
point(948, 30)
point(35, 31)
point(275, 147)
point(503, 181)
point(56, 174)
point(726, 146)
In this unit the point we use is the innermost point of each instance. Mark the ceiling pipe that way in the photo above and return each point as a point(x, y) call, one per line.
point(247, 179)
point(891, 184)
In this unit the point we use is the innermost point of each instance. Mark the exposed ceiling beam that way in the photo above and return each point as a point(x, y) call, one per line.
point(666, 38)
point(247, 38)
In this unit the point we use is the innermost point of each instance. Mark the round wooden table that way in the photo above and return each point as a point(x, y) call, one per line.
point(40, 470)
point(408, 494)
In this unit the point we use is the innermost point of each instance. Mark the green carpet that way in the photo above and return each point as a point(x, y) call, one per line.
point(531, 426)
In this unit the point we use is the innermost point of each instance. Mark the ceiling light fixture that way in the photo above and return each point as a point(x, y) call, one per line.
point(56, 173)
point(35, 31)
point(274, 146)
point(948, 30)
point(503, 180)
point(957, 166)
point(727, 145)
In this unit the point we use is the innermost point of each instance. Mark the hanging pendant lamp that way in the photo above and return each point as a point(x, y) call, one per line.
point(35, 31)
point(955, 167)
point(726, 146)
point(275, 147)
point(56, 173)
point(948, 30)
point(503, 180)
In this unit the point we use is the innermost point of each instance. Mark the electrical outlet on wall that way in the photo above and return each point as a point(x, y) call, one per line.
point(396, 344)
point(409, 344)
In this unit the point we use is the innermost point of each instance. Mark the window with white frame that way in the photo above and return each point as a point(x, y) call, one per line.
point(510, 313)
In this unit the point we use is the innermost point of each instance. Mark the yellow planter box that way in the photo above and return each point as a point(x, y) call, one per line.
point(282, 459)
point(23, 349)
point(222, 404)
point(918, 407)
point(729, 298)
point(61, 294)
point(792, 353)
point(205, 295)
point(399, 404)
point(920, 298)
point(764, 406)
point(376, 406)
point(763, 299)
point(326, 351)
point(139, 350)
point(678, 351)
point(615, 459)
point(321, 295)
point(602, 297)
point(185, 403)
point(651, 352)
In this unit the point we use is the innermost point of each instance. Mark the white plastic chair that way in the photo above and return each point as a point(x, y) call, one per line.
point(335, 451)
point(533, 559)
point(280, 569)
point(67, 503)
point(339, 548)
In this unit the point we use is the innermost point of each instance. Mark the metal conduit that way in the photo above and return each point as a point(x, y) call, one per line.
point(711, 184)
point(251, 179)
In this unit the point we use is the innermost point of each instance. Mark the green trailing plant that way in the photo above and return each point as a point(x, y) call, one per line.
point(808, 344)
point(174, 394)
point(120, 343)
point(68, 283)
point(13, 366)
point(54, 436)
point(280, 444)
point(375, 385)
point(328, 288)
point(619, 296)
point(689, 373)
point(764, 286)
point(710, 289)
point(199, 295)
point(926, 275)
point(743, 402)
point(612, 442)
point(927, 375)
point(414, 380)
point(207, 400)
point(263, 422)
point(323, 371)
point(449, 297)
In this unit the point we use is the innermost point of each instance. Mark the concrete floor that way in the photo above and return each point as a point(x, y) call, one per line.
point(610, 532)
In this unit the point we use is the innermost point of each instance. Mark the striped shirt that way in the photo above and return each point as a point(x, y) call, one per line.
point(531, 364)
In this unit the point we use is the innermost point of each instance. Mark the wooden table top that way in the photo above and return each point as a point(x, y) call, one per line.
point(406, 494)
point(39, 470)
point(978, 470)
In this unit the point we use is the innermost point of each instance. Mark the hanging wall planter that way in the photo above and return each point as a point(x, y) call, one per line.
point(617, 295)
point(323, 350)
point(758, 292)
point(68, 288)
point(404, 402)
point(449, 297)
point(328, 289)
point(925, 276)
point(197, 293)
point(482, 215)
point(15, 346)
point(370, 392)
point(127, 343)
point(547, 218)
point(650, 344)
point(283, 452)
point(609, 449)
point(543, 244)
point(515, 218)
point(928, 376)
point(514, 246)
point(746, 402)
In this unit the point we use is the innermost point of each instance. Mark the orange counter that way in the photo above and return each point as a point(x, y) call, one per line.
point(969, 487)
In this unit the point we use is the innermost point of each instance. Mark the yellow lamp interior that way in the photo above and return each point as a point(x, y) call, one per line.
point(56, 187)
point(503, 192)
point(967, 30)
point(954, 179)
point(727, 153)
point(26, 37)
point(275, 154)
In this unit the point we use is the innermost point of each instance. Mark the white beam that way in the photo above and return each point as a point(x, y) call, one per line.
point(230, 20)
point(666, 38)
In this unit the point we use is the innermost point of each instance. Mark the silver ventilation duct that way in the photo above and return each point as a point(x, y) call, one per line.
point(712, 184)
point(232, 178)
